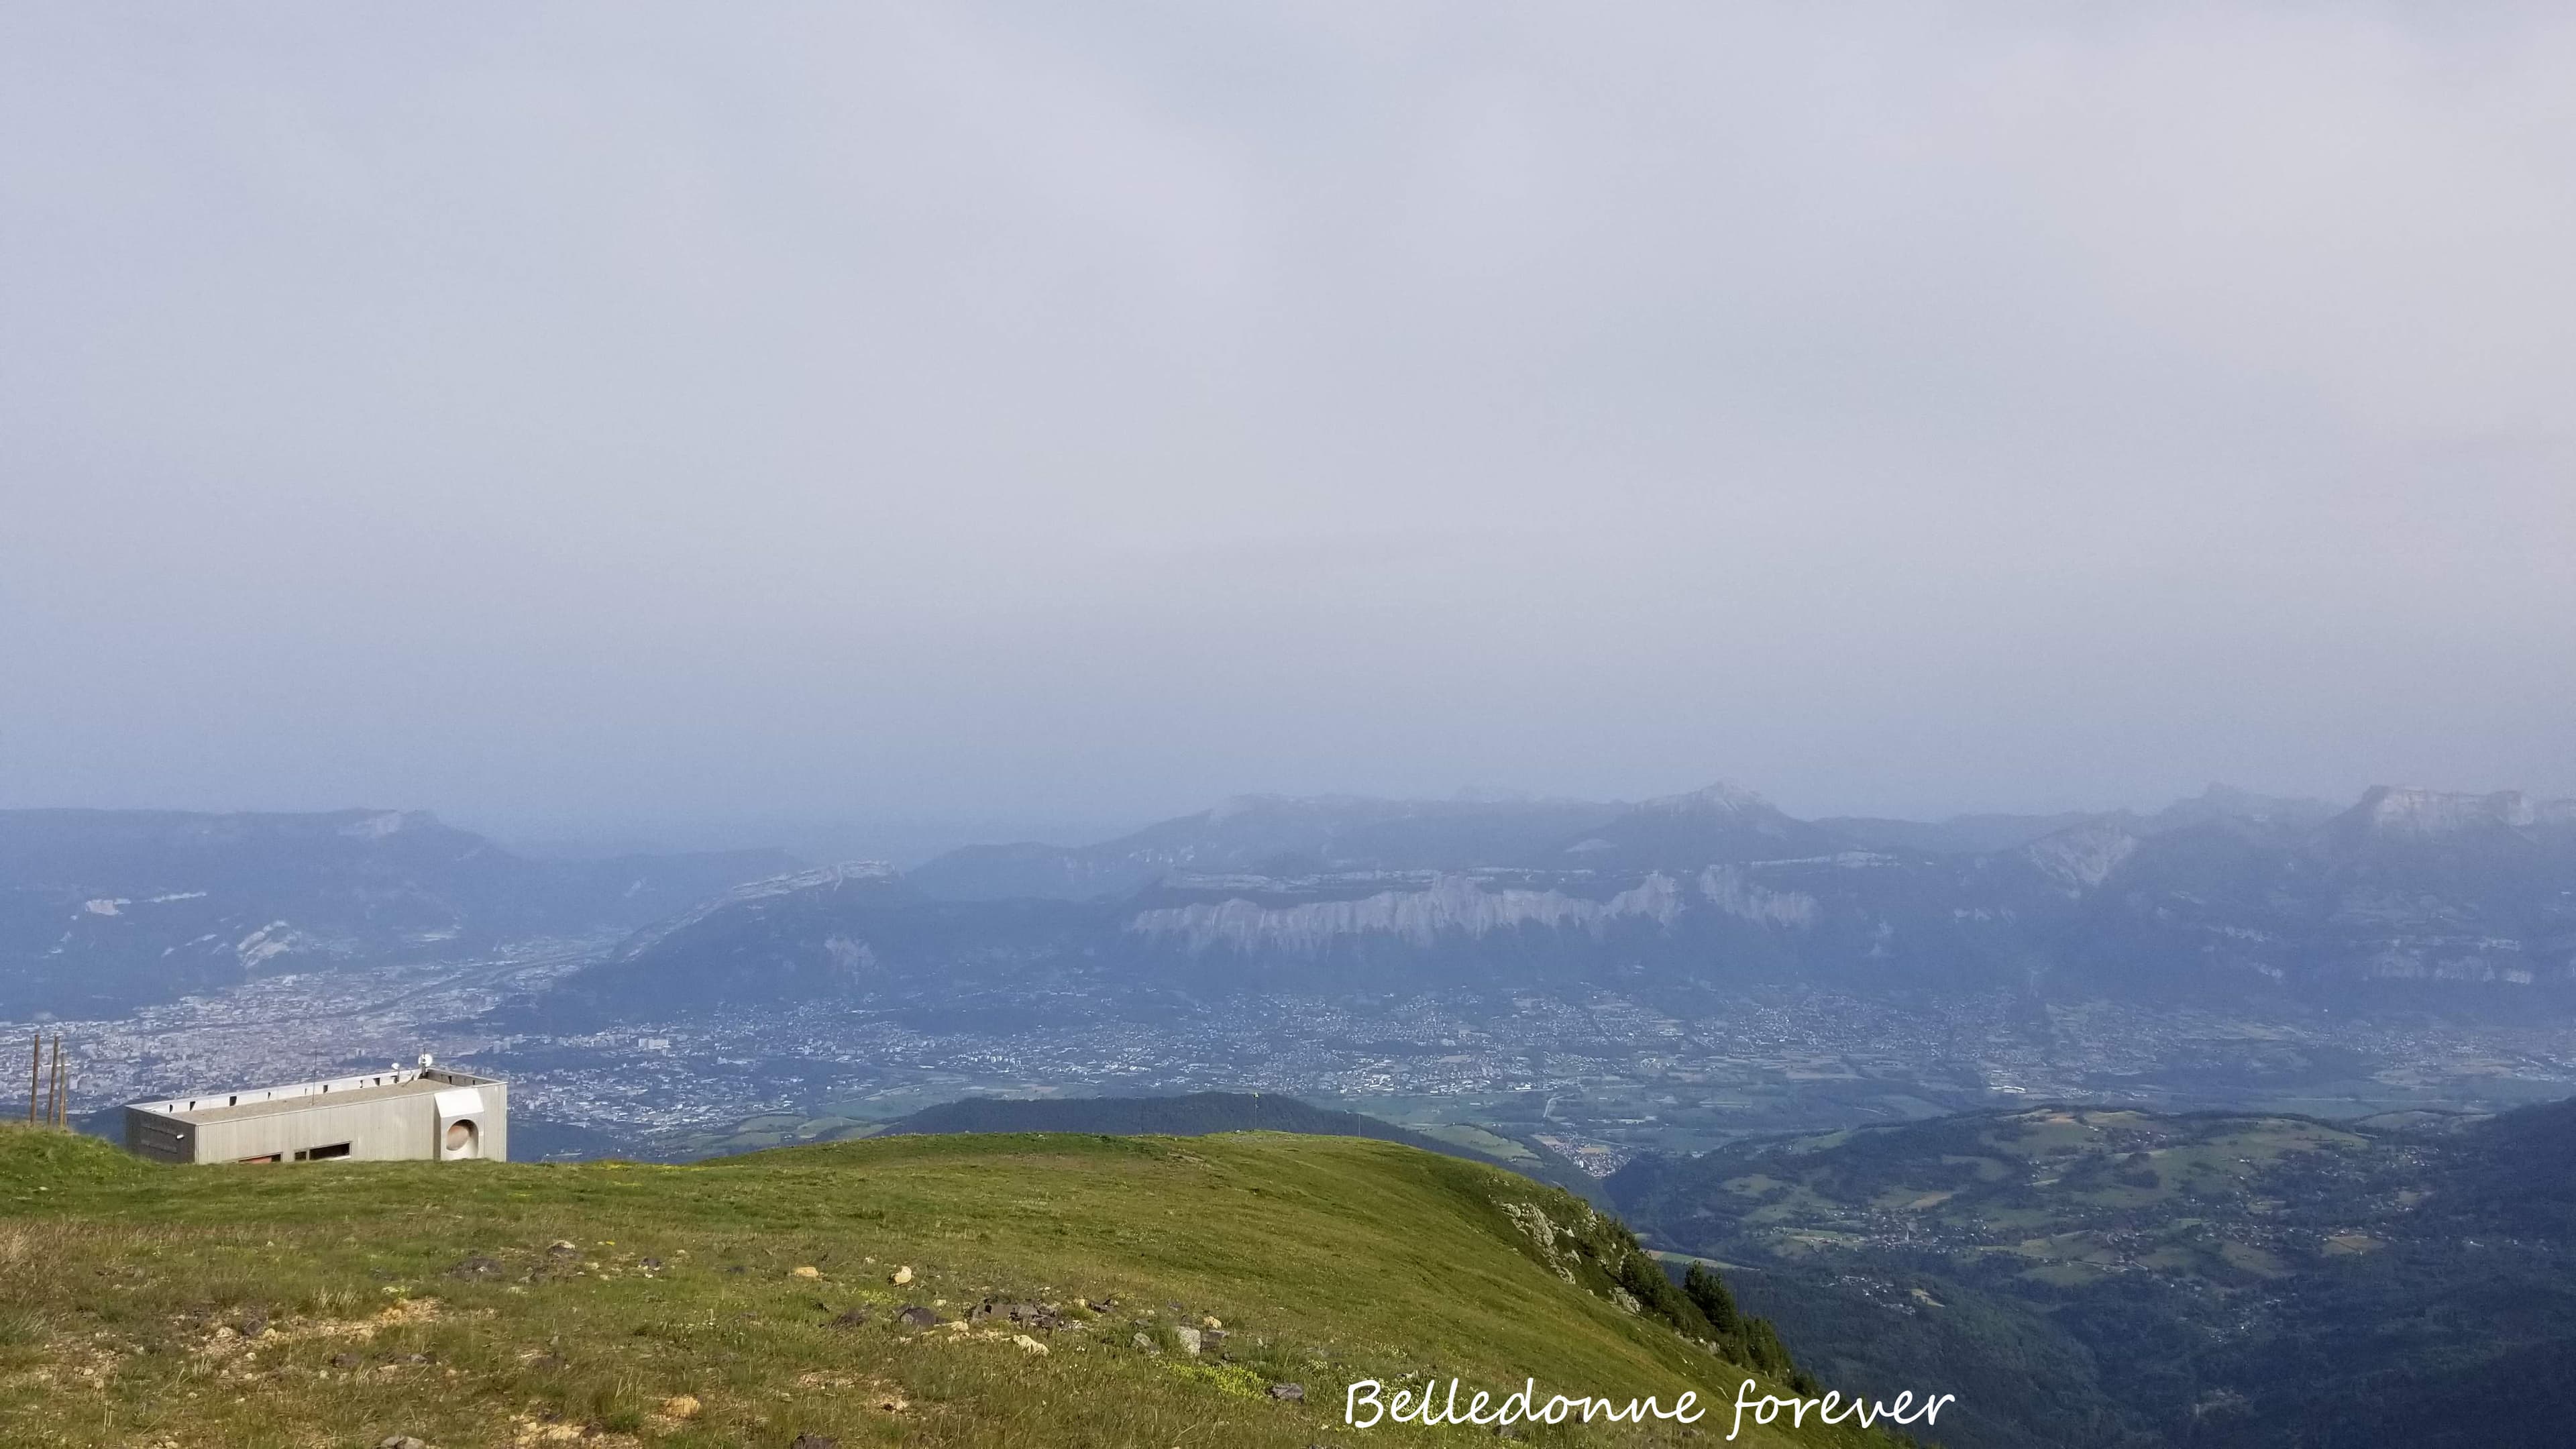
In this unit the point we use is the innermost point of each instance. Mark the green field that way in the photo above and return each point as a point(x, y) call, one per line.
point(749, 1301)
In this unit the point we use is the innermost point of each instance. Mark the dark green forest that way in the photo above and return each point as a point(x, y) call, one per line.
point(2086, 1276)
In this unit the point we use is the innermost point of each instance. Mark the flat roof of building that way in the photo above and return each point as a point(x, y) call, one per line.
point(303, 1096)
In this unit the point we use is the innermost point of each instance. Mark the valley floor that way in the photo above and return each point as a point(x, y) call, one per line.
point(1598, 1075)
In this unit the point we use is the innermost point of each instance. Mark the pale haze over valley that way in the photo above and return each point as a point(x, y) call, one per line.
point(724, 426)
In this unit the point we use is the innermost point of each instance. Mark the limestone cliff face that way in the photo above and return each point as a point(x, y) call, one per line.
point(2406, 811)
point(1730, 889)
point(1452, 905)
point(2080, 859)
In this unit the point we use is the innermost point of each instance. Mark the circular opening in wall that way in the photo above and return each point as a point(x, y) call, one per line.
point(460, 1138)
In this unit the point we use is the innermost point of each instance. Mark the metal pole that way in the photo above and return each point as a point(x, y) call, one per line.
point(35, 1074)
point(62, 1085)
point(54, 1085)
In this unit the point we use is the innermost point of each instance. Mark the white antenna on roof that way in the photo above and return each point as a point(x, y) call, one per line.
point(425, 1060)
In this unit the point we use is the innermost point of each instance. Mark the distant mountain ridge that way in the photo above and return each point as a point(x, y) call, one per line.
point(2227, 892)
point(104, 910)
point(1270, 835)
point(2404, 891)
point(1266, 834)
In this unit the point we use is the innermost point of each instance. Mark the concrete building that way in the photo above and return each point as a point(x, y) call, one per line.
point(429, 1112)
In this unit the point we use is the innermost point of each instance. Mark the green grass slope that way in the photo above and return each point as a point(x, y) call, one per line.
point(1199, 1114)
point(749, 1301)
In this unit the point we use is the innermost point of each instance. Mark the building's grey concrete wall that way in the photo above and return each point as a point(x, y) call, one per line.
point(163, 1139)
point(404, 1128)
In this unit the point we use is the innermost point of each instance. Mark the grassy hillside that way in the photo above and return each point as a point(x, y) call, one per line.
point(1195, 1114)
point(1200, 1113)
point(750, 1300)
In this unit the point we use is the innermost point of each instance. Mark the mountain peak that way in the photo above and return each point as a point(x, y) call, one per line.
point(1718, 799)
point(1276, 805)
point(377, 824)
point(2227, 804)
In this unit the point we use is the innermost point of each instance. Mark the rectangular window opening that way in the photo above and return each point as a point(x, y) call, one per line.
point(323, 1154)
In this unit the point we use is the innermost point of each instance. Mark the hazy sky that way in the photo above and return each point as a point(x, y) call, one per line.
point(583, 414)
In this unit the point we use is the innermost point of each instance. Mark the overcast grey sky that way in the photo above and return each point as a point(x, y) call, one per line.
point(599, 413)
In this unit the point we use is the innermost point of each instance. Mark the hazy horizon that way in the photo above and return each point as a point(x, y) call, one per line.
point(595, 420)
point(909, 840)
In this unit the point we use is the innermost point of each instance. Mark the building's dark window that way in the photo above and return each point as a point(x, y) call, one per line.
point(320, 1154)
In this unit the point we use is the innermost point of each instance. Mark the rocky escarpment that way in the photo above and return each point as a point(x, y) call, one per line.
point(2227, 894)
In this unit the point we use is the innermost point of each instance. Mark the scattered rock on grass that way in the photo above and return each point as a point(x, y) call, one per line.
point(901, 1275)
point(1189, 1338)
point(807, 1271)
point(681, 1406)
point(810, 1440)
point(1291, 1393)
point(400, 1441)
point(1028, 1344)
point(920, 1317)
point(1024, 1315)
point(477, 1266)
point(852, 1318)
